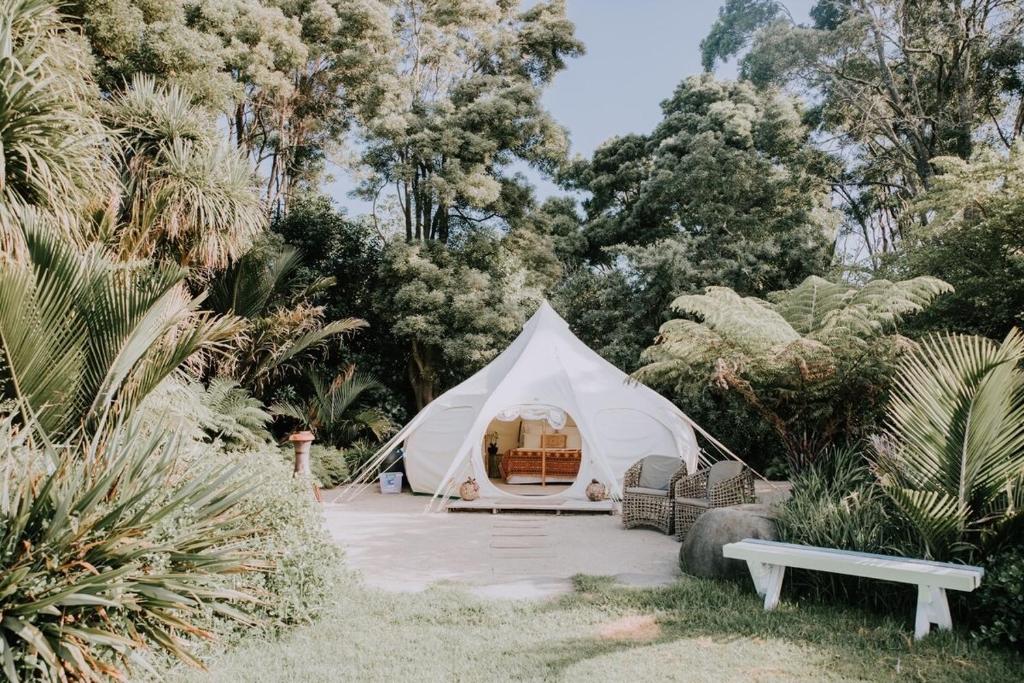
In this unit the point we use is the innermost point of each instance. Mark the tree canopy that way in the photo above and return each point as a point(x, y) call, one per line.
point(896, 84)
point(453, 100)
point(728, 181)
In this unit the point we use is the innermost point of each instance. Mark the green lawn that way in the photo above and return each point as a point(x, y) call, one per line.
point(693, 631)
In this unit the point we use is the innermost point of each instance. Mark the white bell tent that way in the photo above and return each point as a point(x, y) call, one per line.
point(550, 376)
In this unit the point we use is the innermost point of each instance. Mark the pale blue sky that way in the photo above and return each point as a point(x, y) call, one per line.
point(637, 52)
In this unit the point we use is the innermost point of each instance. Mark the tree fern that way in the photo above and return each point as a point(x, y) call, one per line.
point(795, 358)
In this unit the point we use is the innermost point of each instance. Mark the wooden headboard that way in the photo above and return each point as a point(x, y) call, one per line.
point(552, 440)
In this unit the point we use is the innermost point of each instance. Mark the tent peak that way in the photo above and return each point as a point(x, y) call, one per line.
point(545, 315)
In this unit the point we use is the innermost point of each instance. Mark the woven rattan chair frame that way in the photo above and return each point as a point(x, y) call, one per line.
point(736, 490)
point(646, 510)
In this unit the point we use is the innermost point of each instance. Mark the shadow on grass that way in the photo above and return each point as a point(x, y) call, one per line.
point(856, 643)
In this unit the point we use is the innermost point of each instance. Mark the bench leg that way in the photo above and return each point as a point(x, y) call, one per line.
point(774, 586)
point(932, 608)
point(759, 573)
point(767, 581)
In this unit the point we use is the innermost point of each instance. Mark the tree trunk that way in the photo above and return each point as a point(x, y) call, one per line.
point(239, 124)
point(422, 376)
point(441, 219)
point(416, 198)
point(407, 210)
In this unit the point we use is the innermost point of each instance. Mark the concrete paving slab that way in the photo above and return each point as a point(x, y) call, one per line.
point(396, 546)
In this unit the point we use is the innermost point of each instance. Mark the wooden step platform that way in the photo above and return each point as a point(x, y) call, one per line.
point(495, 505)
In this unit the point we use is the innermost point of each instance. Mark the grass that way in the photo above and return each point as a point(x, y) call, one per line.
point(695, 630)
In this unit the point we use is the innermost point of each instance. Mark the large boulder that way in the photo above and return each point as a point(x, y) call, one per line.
point(701, 553)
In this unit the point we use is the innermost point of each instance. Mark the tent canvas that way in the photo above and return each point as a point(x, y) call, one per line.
point(545, 369)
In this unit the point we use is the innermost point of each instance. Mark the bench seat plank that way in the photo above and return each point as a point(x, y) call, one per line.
point(867, 565)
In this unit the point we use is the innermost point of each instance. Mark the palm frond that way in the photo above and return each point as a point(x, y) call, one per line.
point(284, 353)
point(54, 150)
point(955, 437)
point(80, 334)
point(247, 286)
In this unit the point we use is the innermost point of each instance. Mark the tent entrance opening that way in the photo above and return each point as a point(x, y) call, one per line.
point(531, 457)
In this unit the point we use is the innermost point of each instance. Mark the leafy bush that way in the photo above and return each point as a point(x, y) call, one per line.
point(329, 466)
point(837, 503)
point(288, 534)
point(106, 550)
point(997, 606)
point(358, 454)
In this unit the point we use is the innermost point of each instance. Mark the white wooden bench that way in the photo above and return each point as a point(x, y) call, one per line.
point(767, 561)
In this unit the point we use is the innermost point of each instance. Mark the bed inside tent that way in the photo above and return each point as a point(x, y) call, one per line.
point(532, 452)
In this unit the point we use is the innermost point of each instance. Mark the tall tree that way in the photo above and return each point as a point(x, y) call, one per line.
point(53, 148)
point(272, 68)
point(974, 241)
point(449, 99)
point(188, 196)
point(898, 83)
point(727, 181)
point(454, 307)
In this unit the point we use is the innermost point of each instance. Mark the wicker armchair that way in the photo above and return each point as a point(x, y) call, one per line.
point(647, 492)
point(725, 483)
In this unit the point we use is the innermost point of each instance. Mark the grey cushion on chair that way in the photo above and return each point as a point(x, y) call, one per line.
point(646, 491)
point(657, 471)
point(721, 471)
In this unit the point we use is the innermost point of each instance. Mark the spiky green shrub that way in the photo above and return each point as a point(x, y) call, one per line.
point(53, 148)
point(107, 550)
point(837, 503)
